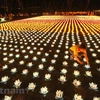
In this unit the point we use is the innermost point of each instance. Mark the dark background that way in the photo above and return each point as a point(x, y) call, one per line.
point(15, 6)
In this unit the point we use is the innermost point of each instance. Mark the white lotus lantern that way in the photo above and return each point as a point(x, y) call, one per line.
point(30, 64)
point(98, 69)
point(31, 86)
point(78, 97)
point(76, 83)
point(23, 51)
point(4, 67)
point(93, 86)
point(4, 79)
point(62, 79)
point(76, 73)
point(75, 64)
point(13, 70)
point(66, 57)
point(59, 94)
point(41, 66)
point(35, 74)
point(55, 56)
point(65, 63)
point(94, 54)
point(5, 59)
point(31, 51)
point(11, 61)
point(26, 56)
point(46, 54)
point(88, 73)
point(17, 55)
point(51, 68)
point(53, 61)
point(47, 76)
point(97, 61)
point(44, 90)
point(43, 60)
point(87, 66)
point(57, 50)
point(17, 50)
point(21, 62)
point(6, 97)
point(5, 53)
point(96, 98)
point(64, 71)
point(25, 72)
point(35, 58)
point(17, 83)
point(38, 53)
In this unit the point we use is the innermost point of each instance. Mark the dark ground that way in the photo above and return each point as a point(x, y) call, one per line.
point(31, 34)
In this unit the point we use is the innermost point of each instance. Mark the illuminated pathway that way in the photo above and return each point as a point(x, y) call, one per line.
point(34, 58)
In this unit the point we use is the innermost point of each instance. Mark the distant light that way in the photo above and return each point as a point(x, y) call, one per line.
point(2, 19)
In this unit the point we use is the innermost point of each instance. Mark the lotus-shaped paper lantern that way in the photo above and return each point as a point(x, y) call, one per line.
point(96, 98)
point(64, 71)
point(53, 61)
point(30, 64)
point(34, 58)
point(65, 63)
point(25, 72)
point(75, 64)
point(76, 83)
point(87, 66)
point(6, 97)
point(31, 86)
point(23, 51)
point(21, 62)
point(43, 60)
point(46, 54)
point(98, 69)
point(77, 97)
point(97, 61)
point(76, 73)
point(59, 94)
point(17, 55)
point(4, 79)
point(11, 61)
point(50, 69)
point(4, 67)
point(5, 58)
point(31, 51)
point(66, 57)
point(66, 52)
point(94, 54)
point(88, 73)
point(17, 83)
point(62, 79)
point(44, 90)
point(11, 55)
point(35, 74)
point(55, 56)
point(26, 56)
point(38, 53)
point(13, 70)
point(57, 50)
point(47, 76)
point(93, 86)
point(41, 66)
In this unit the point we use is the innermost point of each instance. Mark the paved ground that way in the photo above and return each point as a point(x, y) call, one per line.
point(35, 63)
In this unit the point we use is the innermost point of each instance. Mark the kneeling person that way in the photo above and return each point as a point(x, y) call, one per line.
point(77, 51)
